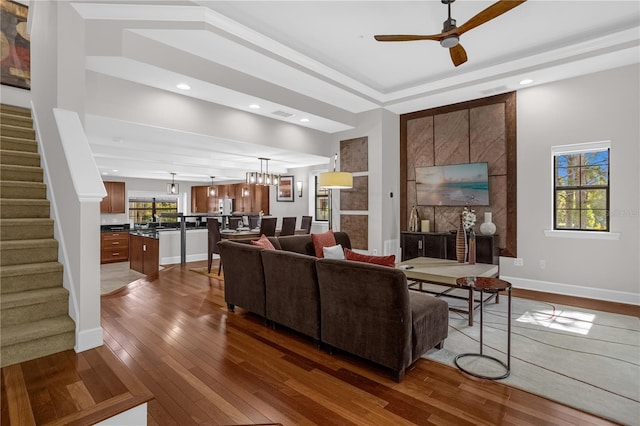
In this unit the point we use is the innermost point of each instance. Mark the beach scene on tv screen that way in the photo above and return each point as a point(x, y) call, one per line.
point(453, 185)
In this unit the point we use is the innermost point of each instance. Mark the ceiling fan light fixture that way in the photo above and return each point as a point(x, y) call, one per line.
point(450, 41)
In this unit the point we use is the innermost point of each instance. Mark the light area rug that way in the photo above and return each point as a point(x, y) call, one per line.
point(586, 359)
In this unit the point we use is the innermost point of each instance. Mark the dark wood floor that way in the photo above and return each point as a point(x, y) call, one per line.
point(205, 365)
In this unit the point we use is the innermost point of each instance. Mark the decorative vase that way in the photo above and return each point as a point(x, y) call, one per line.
point(414, 220)
point(472, 247)
point(488, 227)
point(461, 242)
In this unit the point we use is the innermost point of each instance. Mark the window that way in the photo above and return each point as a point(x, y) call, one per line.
point(581, 187)
point(321, 211)
point(152, 209)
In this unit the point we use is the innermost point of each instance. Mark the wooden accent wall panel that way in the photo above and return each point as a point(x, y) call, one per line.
point(354, 158)
point(357, 226)
point(356, 198)
point(483, 130)
point(354, 155)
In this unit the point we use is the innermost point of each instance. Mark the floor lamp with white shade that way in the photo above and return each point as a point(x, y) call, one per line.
point(334, 180)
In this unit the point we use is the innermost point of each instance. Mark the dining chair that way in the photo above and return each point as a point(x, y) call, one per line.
point(253, 221)
point(235, 222)
point(213, 228)
point(268, 226)
point(306, 224)
point(288, 226)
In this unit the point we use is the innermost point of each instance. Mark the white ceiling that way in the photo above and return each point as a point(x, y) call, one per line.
point(318, 60)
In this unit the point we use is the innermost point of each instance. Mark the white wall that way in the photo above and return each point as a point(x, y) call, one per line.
point(596, 107)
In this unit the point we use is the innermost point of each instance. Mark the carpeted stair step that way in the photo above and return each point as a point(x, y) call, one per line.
point(23, 189)
point(36, 339)
point(21, 252)
point(34, 305)
point(20, 158)
point(24, 173)
point(17, 132)
point(25, 229)
point(30, 276)
point(23, 208)
point(15, 110)
point(18, 144)
point(17, 120)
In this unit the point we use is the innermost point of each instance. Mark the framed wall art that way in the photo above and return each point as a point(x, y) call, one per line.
point(285, 189)
point(15, 45)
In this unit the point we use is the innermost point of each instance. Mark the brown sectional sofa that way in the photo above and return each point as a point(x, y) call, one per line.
point(360, 308)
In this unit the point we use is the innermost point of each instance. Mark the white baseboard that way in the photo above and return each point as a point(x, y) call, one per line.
point(88, 339)
point(574, 290)
point(172, 260)
point(137, 416)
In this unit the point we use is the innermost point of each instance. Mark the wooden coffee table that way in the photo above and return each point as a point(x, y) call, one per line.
point(443, 272)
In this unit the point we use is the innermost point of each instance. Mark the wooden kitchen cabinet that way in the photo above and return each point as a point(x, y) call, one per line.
point(115, 201)
point(200, 199)
point(256, 200)
point(144, 255)
point(114, 247)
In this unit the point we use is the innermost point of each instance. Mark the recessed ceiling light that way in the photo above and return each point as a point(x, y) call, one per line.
point(183, 86)
point(526, 81)
point(304, 120)
point(105, 173)
point(254, 106)
point(114, 171)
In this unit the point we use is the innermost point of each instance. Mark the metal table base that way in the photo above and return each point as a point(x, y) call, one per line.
point(507, 365)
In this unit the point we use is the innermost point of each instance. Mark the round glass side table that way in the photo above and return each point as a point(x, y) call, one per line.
point(487, 285)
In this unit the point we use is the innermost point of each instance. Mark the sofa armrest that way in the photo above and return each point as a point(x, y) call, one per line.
point(243, 276)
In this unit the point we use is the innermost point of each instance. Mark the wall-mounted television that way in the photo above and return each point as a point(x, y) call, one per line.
point(453, 185)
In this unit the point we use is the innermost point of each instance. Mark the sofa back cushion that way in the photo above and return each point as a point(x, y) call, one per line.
point(376, 260)
point(364, 310)
point(303, 244)
point(291, 285)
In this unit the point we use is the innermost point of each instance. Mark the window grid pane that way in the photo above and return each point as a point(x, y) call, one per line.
point(581, 198)
point(322, 203)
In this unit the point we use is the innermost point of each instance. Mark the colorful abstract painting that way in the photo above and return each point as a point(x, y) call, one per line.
point(15, 45)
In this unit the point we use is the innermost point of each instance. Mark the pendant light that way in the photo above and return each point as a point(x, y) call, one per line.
point(212, 189)
point(173, 188)
point(263, 178)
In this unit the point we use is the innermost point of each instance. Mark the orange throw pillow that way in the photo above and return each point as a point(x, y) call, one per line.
point(376, 260)
point(326, 239)
point(263, 242)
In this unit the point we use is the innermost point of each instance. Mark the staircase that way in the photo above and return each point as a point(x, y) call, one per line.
point(34, 306)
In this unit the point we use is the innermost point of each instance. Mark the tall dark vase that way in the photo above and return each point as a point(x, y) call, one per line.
point(472, 247)
point(461, 242)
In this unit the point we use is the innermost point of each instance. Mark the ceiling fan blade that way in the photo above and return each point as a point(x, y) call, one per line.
point(493, 11)
point(407, 37)
point(458, 54)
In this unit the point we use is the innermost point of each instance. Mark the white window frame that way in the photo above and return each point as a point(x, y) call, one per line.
point(578, 148)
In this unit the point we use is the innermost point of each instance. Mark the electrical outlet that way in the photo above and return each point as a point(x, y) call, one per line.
point(518, 261)
point(374, 252)
point(542, 264)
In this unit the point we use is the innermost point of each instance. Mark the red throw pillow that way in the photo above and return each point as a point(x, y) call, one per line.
point(263, 242)
point(376, 260)
point(326, 239)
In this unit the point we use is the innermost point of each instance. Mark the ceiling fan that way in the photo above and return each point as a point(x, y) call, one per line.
point(450, 35)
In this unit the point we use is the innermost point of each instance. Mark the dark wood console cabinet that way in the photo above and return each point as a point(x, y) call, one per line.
point(442, 245)
point(144, 255)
